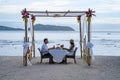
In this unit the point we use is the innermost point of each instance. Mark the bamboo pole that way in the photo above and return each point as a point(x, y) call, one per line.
point(89, 38)
point(33, 40)
point(26, 31)
point(26, 40)
point(38, 15)
point(59, 12)
point(80, 27)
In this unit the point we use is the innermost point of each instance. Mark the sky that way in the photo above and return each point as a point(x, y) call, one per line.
point(107, 11)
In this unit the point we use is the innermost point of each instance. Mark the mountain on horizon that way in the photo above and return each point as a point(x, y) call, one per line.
point(39, 27)
point(6, 28)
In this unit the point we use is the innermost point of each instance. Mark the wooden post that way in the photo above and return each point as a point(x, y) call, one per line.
point(26, 40)
point(80, 27)
point(33, 40)
point(89, 38)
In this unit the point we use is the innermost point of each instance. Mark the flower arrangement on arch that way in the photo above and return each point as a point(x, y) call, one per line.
point(33, 18)
point(79, 19)
point(25, 15)
point(89, 15)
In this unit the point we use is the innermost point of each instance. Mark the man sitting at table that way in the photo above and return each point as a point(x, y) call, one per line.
point(45, 50)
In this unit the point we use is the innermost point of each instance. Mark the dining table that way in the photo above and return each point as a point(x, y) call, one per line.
point(58, 54)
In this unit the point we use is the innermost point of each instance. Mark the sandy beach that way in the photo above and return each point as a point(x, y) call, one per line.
point(103, 68)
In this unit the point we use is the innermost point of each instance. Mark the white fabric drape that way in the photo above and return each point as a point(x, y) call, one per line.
point(29, 62)
point(25, 48)
point(90, 46)
point(58, 54)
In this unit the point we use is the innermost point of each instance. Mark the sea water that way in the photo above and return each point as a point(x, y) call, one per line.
point(106, 43)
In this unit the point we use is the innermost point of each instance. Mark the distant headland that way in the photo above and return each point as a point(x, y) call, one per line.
point(6, 28)
point(39, 27)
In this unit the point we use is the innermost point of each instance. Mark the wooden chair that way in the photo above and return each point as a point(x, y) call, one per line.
point(71, 56)
point(43, 56)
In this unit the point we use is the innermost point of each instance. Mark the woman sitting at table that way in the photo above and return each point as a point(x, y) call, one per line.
point(71, 48)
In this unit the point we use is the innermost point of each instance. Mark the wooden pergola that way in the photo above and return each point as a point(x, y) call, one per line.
point(85, 52)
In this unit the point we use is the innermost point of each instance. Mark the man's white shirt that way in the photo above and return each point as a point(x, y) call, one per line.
point(44, 49)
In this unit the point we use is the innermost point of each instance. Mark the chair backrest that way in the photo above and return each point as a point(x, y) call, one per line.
point(40, 52)
point(75, 51)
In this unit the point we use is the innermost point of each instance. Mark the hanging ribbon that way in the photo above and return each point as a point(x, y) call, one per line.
point(33, 19)
point(79, 19)
point(25, 15)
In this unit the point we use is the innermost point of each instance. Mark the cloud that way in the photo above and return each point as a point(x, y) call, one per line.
point(104, 8)
point(61, 2)
point(11, 9)
point(36, 5)
point(107, 6)
point(101, 6)
point(106, 20)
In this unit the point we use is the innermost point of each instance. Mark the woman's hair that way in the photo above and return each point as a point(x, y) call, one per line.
point(72, 44)
point(71, 41)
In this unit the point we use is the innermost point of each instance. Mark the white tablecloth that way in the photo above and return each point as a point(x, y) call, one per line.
point(58, 54)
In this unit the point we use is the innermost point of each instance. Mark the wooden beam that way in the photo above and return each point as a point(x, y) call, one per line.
point(47, 13)
point(53, 16)
point(66, 13)
point(59, 11)
point(52, 13)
